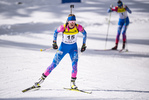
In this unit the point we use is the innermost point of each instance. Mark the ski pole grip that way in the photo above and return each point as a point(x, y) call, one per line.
point(111, 6)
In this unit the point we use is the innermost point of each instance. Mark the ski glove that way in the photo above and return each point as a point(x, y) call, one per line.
point(111, 6)
point(83, 48)
point(110, 9)
point(55, 45)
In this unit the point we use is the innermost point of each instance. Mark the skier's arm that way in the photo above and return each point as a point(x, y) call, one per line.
point(55, 39)
point(84, 36)
point(83, 48)
point(126, 7)
point(60, 29)
point(111, 9)
point(81, 29)
point(55, 35)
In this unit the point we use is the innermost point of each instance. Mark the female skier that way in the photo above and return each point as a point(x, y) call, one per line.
point(123, 22)
point(68, 45)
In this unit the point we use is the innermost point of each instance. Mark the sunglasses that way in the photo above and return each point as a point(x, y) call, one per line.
point(72, 21)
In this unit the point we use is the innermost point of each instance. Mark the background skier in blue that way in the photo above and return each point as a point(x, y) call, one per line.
point(123, 22)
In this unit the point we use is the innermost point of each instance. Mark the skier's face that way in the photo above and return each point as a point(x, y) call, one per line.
point(120, 5)
point(72, 24)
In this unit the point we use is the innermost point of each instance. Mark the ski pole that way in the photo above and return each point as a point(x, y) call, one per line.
point(46, 49)
point(125, 34)
point(108, 28)
point(71, 6)
point(126, 42)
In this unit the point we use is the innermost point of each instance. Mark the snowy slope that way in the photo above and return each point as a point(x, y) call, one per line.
point(110, 75)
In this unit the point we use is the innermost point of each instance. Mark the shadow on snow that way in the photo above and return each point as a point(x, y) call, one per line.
point(37, 47)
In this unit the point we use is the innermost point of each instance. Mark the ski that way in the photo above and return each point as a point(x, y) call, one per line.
point(30, 88)
point(126, 50)
point(103, 50)
point(78, 90)
point(121, 50)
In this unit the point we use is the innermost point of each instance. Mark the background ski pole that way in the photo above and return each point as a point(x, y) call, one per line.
point(46, 49)
point(125, 34)
point(126, 45)
point(108, 27)
point(71, 6)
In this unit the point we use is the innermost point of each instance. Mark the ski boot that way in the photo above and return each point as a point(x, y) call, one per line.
point(72, 84)
point(37, 84)
point(123, 47)
point(115, 47)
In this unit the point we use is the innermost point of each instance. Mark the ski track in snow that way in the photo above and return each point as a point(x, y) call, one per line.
point(28, 27)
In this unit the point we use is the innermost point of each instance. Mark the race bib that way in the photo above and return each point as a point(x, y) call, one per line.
point(69, 39)
point(123, 15)
point(121, 10)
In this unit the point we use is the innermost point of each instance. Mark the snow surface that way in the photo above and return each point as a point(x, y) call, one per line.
point(28, 27)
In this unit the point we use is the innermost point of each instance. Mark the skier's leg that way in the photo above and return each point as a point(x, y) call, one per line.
point(124, 36)
point(74, 58)
point(118, 33)
point(117, 37)
point(124, 31)
point(58, 56)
